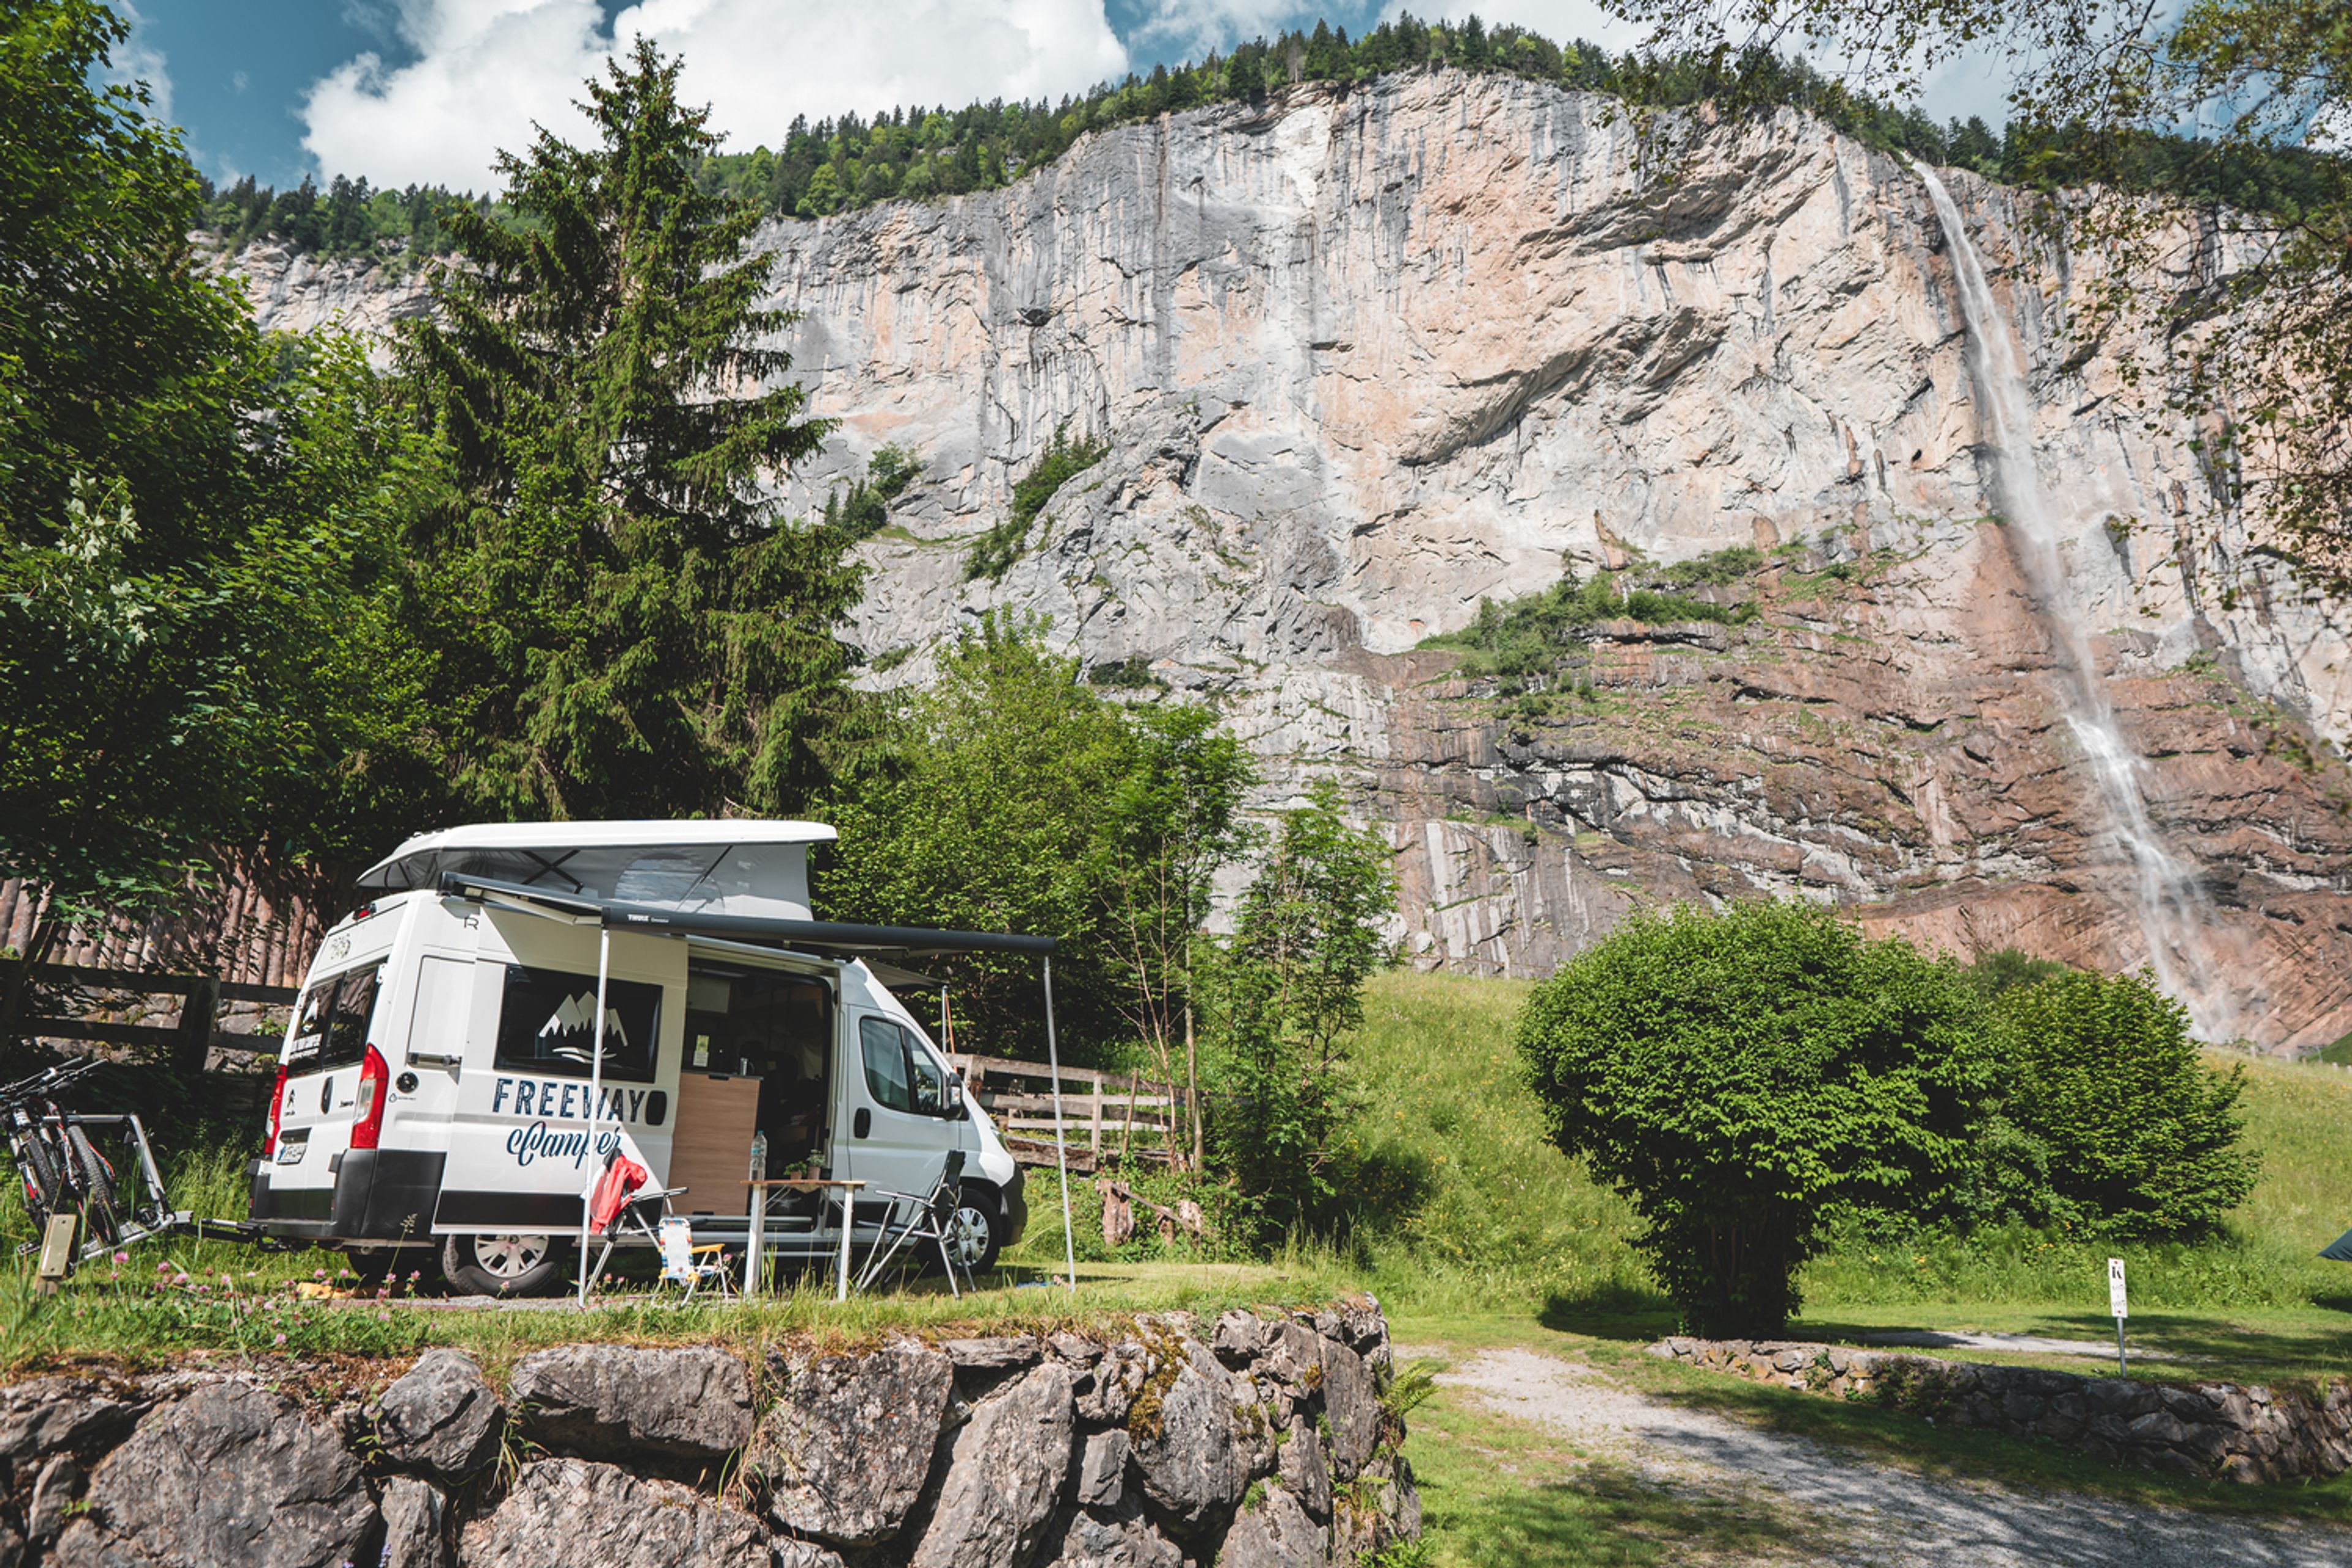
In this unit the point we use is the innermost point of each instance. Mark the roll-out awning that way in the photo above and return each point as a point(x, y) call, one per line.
point(827, 936)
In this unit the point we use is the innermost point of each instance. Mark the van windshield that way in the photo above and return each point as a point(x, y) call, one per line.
point(331, 1030)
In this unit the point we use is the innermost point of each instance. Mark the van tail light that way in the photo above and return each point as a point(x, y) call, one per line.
point(374, 1090)
point(277, 1113)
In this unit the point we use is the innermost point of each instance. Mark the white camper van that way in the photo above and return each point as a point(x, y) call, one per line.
point(442, 1085)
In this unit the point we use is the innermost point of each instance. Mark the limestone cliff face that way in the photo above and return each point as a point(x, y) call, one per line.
point(1365, 359)
point(291, 292)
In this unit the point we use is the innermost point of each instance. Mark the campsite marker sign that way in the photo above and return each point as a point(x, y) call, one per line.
point(2115, 1305)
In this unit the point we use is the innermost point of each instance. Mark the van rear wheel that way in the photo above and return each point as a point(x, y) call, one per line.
point(510, 1264)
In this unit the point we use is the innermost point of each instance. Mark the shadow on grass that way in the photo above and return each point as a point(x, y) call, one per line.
point(1603, 1514)
point(1612, 1312)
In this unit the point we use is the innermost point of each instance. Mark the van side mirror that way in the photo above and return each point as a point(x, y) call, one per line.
point(954, 1105)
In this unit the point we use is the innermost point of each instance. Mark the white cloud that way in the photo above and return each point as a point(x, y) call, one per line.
point(137, 61)
point(1192, 27)
point(485, 70)
point(1976, 82)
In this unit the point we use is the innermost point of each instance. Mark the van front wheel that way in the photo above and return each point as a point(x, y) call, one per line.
point(976, 1230)
point(503, 1265)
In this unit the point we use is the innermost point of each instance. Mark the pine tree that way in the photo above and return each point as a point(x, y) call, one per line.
point(629, 628)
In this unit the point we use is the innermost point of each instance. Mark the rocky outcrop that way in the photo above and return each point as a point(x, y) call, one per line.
point(229, 1473)
point(845, 1450)
point(1365, 358)
point(566, 1511)
point(2208, 1430)
point(981, 1452)
point(443, 1417)
point(618, 1402)
point(295, 291)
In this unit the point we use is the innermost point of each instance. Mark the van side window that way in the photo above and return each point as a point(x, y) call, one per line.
point(885, 1064)
point(899, 1073)
point(332, 1029)
point(547, 1024)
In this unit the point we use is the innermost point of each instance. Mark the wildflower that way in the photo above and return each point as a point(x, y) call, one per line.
point(278, 1341)
point(318, 1274)
point(120, 1259)
point(383, 1317)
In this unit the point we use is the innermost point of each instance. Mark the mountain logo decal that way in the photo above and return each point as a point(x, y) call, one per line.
point(577, 1015)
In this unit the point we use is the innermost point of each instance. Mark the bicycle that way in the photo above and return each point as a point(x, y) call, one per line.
point(57, 1163)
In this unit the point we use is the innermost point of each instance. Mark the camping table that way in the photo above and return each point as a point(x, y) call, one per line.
point(760, 1227)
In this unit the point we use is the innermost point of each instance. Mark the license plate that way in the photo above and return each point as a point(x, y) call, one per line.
point(290, 1153)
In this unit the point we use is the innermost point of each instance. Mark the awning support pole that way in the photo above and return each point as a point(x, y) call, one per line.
point(1061, 1156)
point(596, 1092)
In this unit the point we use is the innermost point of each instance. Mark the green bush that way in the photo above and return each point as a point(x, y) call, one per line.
point(1740, 1076)
point(2139, 1137)
point(2008, 968)
point(1531, 636)
point(1001, 546)
point(864, 508)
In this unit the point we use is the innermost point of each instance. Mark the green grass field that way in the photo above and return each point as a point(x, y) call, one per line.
point(1503, 1215)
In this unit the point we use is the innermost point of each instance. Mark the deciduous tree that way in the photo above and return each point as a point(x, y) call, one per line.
point(1740, 1076)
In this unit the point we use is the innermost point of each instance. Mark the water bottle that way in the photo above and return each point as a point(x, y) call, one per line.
point(759, 1157)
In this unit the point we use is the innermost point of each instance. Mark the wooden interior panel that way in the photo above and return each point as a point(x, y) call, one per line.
point(710, 1152)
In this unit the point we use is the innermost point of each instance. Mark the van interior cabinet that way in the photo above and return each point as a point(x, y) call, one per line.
point(710, 1152)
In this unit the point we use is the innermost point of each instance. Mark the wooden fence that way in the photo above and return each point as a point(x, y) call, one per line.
point(253, 924)
point(1106, 1117)
point(197, 1006)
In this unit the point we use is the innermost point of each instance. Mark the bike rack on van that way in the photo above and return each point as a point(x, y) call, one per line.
point(162, 1219)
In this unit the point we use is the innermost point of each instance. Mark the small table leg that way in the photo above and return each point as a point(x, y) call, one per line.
point(841, 1290)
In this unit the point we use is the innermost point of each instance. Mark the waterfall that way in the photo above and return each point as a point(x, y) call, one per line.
point(2176, 918)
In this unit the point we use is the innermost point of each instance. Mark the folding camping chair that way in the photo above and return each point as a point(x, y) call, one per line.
point(926, 1218)
point(683, 1263)
point(620, 1206)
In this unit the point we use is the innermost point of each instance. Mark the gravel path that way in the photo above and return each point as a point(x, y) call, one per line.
point(1869, 1514)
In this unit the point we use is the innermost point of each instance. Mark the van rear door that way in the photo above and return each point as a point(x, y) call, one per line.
point(333, 1025)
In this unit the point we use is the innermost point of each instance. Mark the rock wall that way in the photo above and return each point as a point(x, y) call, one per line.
point(1365, 357)
point(1262, 1442)
point(2206, 1430)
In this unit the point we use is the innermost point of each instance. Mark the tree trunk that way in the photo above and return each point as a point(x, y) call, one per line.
point(1192, 1086)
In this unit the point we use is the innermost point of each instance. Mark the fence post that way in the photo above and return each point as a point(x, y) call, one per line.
point(1094, 1139)
point(195, 1041)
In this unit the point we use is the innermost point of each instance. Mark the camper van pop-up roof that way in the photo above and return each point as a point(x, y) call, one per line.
point(742, 868)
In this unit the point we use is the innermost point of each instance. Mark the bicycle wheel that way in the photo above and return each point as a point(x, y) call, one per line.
point(38, 1165)
point(96, 1184)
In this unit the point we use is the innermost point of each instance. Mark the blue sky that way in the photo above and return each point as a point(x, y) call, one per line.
point(427, 90)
